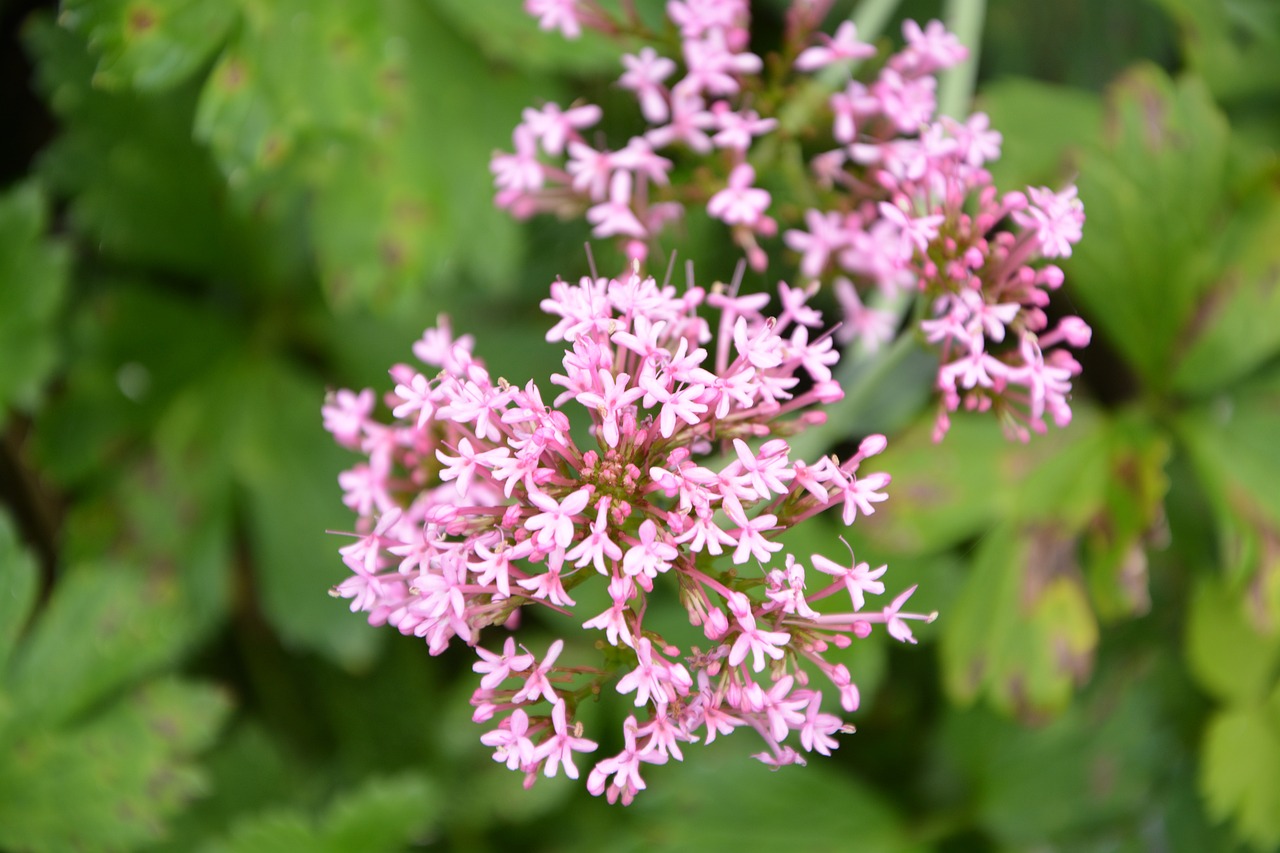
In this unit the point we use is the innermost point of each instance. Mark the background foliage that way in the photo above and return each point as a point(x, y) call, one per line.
point(211, 211)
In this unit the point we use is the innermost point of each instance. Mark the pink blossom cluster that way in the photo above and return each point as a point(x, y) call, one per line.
point(480, 499)
point(895, 199)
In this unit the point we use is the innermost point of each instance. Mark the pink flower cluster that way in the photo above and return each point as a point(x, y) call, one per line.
point(904, 205)
point(478, 500)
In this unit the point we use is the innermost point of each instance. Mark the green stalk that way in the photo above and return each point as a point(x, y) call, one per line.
point(860, 378)
point(955, 94)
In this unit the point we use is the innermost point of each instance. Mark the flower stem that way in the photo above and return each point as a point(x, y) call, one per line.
point(860, 378)
point(963, 18)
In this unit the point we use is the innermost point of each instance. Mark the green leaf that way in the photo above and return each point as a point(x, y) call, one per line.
point(509, 36)
point(1153, 195)
point(1225, 653)
point(1045, 128)
point(110, 782)
point(722, 800)
point(149, 44)
point(1234, 328)
point(942, 495)
point(1021, 632)
point(1089, 773)
point(106, 627)
point(1231, 444)
point(33, 279)
point(1115, 558)
point(352, 103)
point(383, 814)
point(1233, 44)
point(288, 466)
point(18, 586)
point(140, 188)
point(1240, 777)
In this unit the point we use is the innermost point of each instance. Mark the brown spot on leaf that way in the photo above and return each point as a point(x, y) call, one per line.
point(141, 20)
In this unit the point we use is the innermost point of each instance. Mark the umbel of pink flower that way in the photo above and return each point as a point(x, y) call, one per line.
point(477, 501)
point(896, 201)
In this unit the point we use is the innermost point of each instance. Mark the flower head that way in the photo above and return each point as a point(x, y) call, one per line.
point(482, 503)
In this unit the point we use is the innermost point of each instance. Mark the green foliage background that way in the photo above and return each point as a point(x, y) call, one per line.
point(212, 210)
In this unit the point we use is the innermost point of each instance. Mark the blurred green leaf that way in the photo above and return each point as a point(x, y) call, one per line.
point(141, 190)
point(18, 587)
point(107, 627)
point(383, 814)
point(288, 467)
point(942, 495)
point(1021, 632)
point(508, 35)
point(719, 799)
point(1234, 329)
point(80, 768)
point(1231, 443)
point(350, 102)
point(1154, 197)
point(148, 44)
point(1233, 44)
point(1115, 539)
point(1087, 773)
point(110, 782)
point(1225, 653)
point(1241, 772)
point(33, 280)
point(1045, 128)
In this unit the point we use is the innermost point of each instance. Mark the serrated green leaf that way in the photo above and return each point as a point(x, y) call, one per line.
point(110, 782)
point(1240, 776)
point(1022, 632)
point(18, 579)
point(149, 44)
point(33, 278)
point(1225, 653)
point(1045, 128)
point(1153, 195)
point(141, 190)
point(352, 103)
point(106, 627)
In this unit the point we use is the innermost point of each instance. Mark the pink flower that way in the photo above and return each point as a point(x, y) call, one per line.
point(558, 749)
point(562, 15)
point(479, 501)
point(644, 75)
point(740, 203)
point(1056, 219)
point(844, 45)
point(554, 526)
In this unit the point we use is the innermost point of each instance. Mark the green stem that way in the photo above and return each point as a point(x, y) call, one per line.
point(964, 18)
point(860, 379)
point(870, 18)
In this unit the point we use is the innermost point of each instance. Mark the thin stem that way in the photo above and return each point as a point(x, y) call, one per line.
point(860, 379)
point(963, 18)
